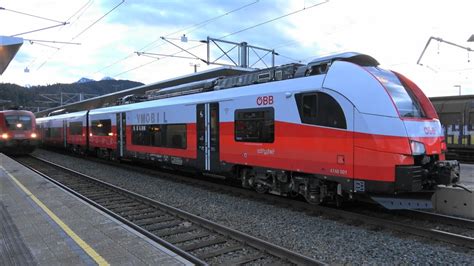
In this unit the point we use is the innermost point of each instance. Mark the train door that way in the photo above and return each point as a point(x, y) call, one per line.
point(65, 133)
point(87, 131)
point(207, 120)
point(121, 133)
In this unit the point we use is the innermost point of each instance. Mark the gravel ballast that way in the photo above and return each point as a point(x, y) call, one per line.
point(328, 240)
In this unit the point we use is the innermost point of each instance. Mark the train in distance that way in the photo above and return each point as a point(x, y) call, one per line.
point(337, 129)
point(17, 132)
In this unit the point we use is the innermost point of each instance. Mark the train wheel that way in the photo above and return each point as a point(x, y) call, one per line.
point(260, 188)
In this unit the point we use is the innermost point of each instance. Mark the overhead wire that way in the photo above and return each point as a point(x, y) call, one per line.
point(242, 30)
point(99, 19)
point(83, 31)
point(81, 10)
point(192, 28)
point(30, 15)
point(60, 24)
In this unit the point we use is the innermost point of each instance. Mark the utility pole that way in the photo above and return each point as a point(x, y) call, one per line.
point(458, 86)
point(195, 65)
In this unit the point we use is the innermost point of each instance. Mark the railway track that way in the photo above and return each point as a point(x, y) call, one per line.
point(199, 240)
point(390, 221)
point(436, 217)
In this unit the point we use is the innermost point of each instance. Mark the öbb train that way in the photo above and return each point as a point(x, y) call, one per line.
point(17, 132)
point(336, 129)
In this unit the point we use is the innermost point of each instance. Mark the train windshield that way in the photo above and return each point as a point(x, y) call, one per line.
point(18, 122)
point(405, 101)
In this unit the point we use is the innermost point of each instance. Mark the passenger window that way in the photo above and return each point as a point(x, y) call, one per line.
point(75, 128)
point(255, 125)
point(176, 136)
point(55, 132)
point(101, 127)
point(156, 135)
point(320, 109)
point(170, 136)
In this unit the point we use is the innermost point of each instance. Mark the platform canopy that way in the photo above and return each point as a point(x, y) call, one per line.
point(9, 46)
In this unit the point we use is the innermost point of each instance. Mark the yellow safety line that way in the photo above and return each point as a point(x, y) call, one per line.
point(88, 249)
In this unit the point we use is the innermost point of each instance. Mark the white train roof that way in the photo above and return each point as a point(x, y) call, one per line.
point(290, 85)
point(62, 116)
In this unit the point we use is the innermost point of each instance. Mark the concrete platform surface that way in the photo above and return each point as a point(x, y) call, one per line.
point(456, 200)
point(42, 224)
point(467, 175)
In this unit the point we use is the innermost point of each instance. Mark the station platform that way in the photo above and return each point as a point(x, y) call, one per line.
point(457, 200)
point(467, 175)
point(43, 224)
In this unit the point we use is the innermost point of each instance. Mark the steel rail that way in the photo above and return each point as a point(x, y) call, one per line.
point(436, 217)
point(433, 234)
point(245, 239)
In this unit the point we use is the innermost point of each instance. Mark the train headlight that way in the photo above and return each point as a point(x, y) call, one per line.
point(19, 125)
point(33, 135)
point(4, 136)
point(417, 148)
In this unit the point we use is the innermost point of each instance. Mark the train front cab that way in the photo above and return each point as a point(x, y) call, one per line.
point(17, 132)
point(399, 146)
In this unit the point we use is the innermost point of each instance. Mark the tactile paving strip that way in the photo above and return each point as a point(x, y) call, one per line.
point(13, 250)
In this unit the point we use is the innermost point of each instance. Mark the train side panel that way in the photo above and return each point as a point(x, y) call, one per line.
point(76, 133)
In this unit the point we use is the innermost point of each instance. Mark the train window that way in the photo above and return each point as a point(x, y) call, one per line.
point(140, 135)
point(156, 135)
point(320, 109)
point(255, 125)
point(18, 122)
point(176, 136)
point(75, 128)
point(101, 127)
point(406, 103)
point(170, 136)
point(54, 132)
point(309, 108)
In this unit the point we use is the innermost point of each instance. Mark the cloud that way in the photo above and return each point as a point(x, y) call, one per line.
point(394, 32)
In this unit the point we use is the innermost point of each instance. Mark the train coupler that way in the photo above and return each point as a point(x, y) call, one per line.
point(446, 172)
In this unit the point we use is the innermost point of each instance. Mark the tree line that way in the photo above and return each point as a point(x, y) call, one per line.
point(12, 95)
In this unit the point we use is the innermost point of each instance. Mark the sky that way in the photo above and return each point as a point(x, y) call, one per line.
point(393, 32)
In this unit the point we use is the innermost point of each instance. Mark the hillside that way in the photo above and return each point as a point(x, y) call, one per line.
point(14, 95)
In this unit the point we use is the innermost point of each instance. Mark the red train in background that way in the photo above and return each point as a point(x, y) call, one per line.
point(17, 132)
point(336, 129)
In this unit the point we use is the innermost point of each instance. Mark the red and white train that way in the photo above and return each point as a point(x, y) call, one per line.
point(337, 128)
point(17, 132)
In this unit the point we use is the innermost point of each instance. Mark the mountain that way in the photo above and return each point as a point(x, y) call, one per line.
point(84, 80)
point(107, 78)
point(41, 97)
